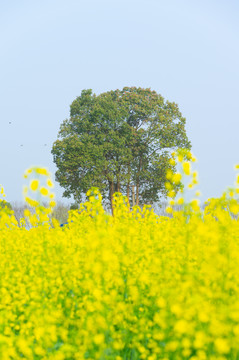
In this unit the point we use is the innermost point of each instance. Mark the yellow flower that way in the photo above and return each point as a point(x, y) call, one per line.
point(161, 302)
point(180, 158)
point(222, 346)
point(181, 326)
point(186, 167)
point(39, 350)
point(177, 178)
point(24, 347)
point(27, 213)
point(168, 185)
point(27, 172)
point(171, 194)
point(172, 345)
point(99, 339)
point(52, 204)
point(180, 201)
point(234, 208)
point(169, 210)
point(169, 174)
point(34, 185)
point(42, 171)
point(49, 183)
point(195, 205)
point(31, 202)
point(44, 191)
point(172, 162)
point(117, 345)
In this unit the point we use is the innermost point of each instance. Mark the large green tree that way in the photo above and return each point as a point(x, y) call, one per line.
point(119, 141)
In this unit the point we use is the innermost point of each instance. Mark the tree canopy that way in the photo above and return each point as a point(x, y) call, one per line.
point(119, 141)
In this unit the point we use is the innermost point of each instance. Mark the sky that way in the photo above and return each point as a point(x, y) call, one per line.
point(187, 51)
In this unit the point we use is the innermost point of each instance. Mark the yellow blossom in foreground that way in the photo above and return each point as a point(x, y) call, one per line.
point(169, 210)
point(186, 167)
point(180, 201)
point(34, 185)
point(222, 346)
point(31, 202)
point(180, 158)
point(171, 193)
point(42, 171)
point(168, 185)
point(135, 285)
point(195, 174)
point(27, 173)
point(27, 213)
point(172, 162)
point(44, 191)
point(169, 174)
point(177, 178)
point(99, 339)
point(49, 183)
point(52, 203)
point(195, 205)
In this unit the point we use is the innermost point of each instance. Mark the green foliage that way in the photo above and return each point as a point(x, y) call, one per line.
point(119, 141)
point(5, 205)
point(74, 206)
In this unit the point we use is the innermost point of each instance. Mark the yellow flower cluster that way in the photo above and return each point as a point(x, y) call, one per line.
point(133, 286)
point(38, 196)
point(181, 160)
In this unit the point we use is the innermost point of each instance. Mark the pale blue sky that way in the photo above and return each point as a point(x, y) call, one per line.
point(188, 51)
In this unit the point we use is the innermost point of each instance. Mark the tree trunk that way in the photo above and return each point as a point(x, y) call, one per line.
point(118, 180)
point(137, 192)
point(137, 182)
point(128, 185)
point(128, 189)
point(111, 192)
point(133, 195)
point(118, 186)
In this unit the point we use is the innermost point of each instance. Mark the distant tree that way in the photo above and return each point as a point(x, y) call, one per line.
point(119, 141)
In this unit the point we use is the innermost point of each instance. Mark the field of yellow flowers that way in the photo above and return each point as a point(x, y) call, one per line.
point(133, 286)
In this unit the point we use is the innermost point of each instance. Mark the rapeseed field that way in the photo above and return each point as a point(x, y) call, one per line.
point(125, 287)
